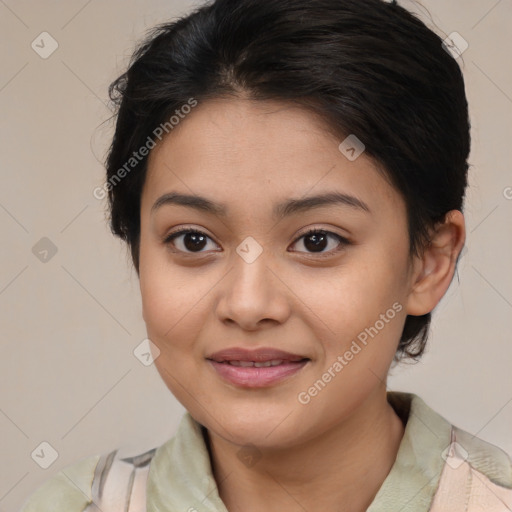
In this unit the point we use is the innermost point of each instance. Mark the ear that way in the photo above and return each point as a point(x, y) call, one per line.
point(433, 272)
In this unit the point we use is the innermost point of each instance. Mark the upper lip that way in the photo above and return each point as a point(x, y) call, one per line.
point(261, 354)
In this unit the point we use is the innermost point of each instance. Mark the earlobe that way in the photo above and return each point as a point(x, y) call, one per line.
point(434, 271)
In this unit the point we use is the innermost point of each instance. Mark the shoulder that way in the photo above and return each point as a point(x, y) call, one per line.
point(476, 476)
point(484, 457)
point(106, 480)
point(454, 442)
point(68, 490)
point(458, 471)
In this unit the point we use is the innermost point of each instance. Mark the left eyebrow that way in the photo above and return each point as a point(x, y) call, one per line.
point(293, 206)
point(281, 210)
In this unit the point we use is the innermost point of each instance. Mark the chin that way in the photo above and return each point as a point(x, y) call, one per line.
point(251, 425)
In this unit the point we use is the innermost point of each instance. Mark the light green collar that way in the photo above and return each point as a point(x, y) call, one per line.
point(181, 478)
point(414, 477)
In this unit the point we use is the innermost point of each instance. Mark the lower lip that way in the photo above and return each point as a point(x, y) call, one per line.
point(252, 377)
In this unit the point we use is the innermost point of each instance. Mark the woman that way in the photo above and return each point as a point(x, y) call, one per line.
point(289, 177)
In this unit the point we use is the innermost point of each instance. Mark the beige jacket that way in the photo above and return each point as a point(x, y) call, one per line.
point(438, 468)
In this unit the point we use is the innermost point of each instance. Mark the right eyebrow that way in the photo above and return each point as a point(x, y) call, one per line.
point(281, 210)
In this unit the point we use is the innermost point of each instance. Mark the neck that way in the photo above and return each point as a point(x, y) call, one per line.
point(324, 473)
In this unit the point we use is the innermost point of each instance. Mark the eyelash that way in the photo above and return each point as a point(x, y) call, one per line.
point(343, 241)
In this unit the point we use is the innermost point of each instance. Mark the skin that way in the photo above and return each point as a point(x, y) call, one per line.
point(251, 155)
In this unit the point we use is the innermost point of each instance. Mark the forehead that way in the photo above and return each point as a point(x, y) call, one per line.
point(240, 151)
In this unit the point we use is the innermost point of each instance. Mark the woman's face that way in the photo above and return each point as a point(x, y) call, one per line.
point(251, 279)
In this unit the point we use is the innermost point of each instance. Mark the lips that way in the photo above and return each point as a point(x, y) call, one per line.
point(269, 356)
point(256, 368)
point(256, 364)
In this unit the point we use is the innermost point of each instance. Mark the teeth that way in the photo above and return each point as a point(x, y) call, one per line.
point(242, 363)
point(274, 362)
point(262, 364)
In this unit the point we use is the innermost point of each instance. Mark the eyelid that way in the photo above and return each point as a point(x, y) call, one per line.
point(170, 236)
point(315, 229)
point(344, 241)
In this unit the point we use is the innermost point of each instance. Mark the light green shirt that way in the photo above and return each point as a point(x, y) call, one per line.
point(180, 477)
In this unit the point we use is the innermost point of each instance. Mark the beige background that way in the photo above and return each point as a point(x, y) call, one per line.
point(69, 326)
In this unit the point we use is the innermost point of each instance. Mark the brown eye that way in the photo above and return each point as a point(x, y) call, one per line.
point(192, 241)
point(317, 241)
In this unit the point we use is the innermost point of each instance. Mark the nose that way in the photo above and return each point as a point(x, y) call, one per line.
point(253, 294)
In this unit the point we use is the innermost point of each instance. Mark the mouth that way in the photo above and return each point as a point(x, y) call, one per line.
point(256, 368)
point(256, 355)
point(259, 364)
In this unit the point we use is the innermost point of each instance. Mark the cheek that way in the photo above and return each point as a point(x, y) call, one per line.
point(353, 294)
point(361, 302)
point(164, 294)
point(157, 300)
point(173, 300)
point(169, 317)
